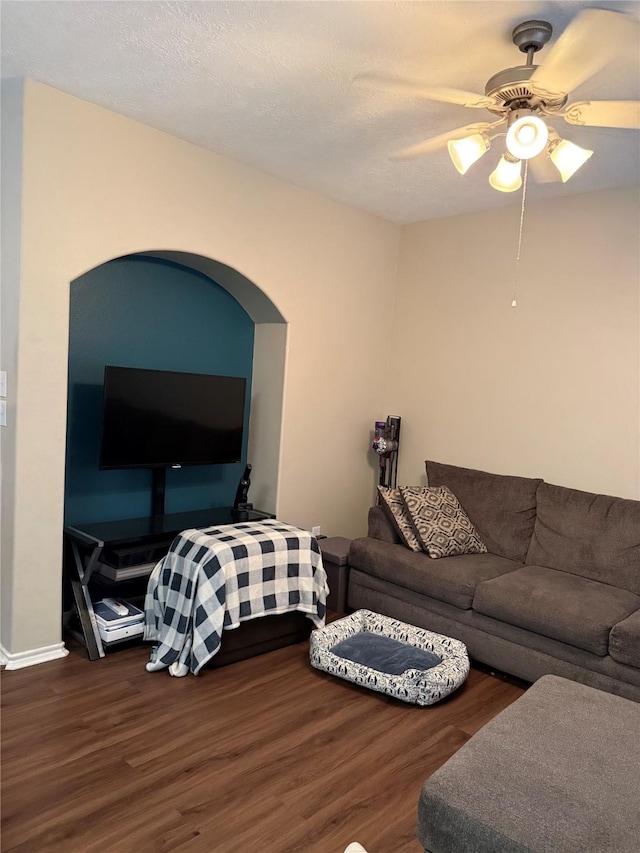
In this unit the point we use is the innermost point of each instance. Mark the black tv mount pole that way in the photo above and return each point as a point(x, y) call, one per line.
point(157, 497)
point(239, 512)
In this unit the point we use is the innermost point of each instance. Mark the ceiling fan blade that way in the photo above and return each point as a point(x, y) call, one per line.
point(591, 41)
point(432, 93)
point(435, 142)
point(604, 113)
point(543, 169)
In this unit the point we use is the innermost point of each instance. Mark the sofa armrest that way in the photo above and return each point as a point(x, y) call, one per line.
point(380, 527)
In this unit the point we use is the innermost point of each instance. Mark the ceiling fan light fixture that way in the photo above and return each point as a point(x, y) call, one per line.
point(527, 134)
point(567, 157)
point(506, 176)
point(466, 151)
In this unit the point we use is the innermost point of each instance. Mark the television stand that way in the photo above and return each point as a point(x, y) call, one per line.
point(131, 546)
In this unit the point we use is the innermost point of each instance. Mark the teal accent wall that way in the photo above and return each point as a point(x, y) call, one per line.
point(142, 312)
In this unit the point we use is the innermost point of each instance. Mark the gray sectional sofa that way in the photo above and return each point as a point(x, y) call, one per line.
point(557, 593)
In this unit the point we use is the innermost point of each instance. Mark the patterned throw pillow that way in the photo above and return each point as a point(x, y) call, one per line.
point(392, 502)
point(443, 527)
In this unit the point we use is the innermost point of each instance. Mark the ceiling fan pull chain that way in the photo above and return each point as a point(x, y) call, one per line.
point(514, 303)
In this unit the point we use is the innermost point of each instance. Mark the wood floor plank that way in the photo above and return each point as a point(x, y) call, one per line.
point(267, 754)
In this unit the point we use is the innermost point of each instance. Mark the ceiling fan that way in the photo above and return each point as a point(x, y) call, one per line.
point(524, 97)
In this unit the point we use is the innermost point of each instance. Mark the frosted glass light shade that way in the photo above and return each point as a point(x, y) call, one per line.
point(568, 157)
point(465, 152)
point(527, 135)
point(506, 176)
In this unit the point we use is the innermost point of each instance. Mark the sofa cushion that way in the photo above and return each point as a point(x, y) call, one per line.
point(501, 508)
point(453, 580)
point(595, 536)
point(442, 525)
point(394, 506)
point(564, 607)
point(624, 640)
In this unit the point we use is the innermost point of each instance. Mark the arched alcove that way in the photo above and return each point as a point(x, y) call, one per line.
point(88, 186)
point(269, 363)
point(108, 304)
point(254, 301)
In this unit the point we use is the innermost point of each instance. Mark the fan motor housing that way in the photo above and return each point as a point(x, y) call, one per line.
point(511, 89)
point(531, 35)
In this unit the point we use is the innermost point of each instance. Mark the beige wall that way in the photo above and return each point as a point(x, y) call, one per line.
point(97, 186)
point(10, 236)
point(265, 429)
point(549, 389)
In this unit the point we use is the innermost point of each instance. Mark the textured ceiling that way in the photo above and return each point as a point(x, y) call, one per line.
point(271, 84)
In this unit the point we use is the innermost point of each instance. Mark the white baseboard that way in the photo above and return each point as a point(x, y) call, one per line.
point(32, 657)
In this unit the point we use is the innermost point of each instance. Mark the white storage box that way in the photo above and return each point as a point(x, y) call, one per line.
point(122, 632)
point(113, 626)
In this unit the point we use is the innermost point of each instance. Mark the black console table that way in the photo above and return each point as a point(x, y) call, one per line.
point(129, 548)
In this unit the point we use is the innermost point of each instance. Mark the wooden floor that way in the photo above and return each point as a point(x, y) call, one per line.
point(266, 755)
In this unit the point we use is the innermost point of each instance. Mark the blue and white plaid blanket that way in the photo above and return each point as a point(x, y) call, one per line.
point(212, 580)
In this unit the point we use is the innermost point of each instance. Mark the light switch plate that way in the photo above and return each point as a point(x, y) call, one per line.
point(3, 412)
point(3, 383)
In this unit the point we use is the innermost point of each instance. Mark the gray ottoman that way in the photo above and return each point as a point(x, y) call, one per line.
point(556, 772)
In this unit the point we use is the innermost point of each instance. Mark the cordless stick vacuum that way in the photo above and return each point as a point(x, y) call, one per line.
point(386, 443)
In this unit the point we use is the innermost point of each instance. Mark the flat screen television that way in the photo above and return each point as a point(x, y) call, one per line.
point(162, 419)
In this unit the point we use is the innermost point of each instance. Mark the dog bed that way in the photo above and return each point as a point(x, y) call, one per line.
point(389, 656)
